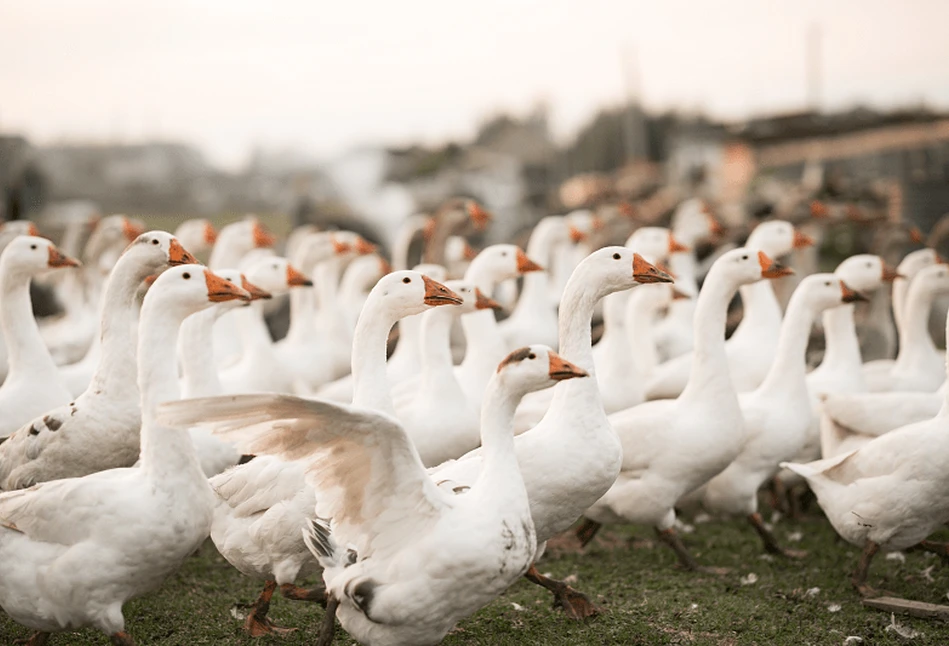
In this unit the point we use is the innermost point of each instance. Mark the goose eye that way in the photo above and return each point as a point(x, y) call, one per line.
point(155, 241)
point(532, 356)
point(504, 254)
point(186, 275)
point(745, 257)
point(615, 256)
point(406, 280)
point(827, 283)
point(32, 246)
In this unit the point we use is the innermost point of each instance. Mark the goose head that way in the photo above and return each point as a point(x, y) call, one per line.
point(916, 261)
point(197, 234)
point(434, 271)
point(931, 281)
point(457, 250)
point(533, 368)
point(154, 251)
point(581, 224)
point(498, 263)
point(404, 293)
point(693, 221)
point(236, 277)
point(319, 247)
point(109, 238)
point(825, 291)
point(32, 255)
point(865, 272)
point(777, 238)
point(655, 244)
point(473, 298)
point(744, 266)
point(187, 289)
point(355, 243)
point(275, 275)
point(613, 269)
point(242, 236)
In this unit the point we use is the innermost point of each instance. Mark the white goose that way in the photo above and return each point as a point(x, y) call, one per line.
point(75, 550)
point(33, 385)
point(672, 447)
point(534, 318)
point(752, 346)
point(262, 504)
point(417, 559)
point(440, 420)
point(196, 234)
point(777, 414)
point(889, 494)
point(918, 365)
point(572, 456)
point(9, 231)
point(100, 429)
point(618, 374)
point(259, 368)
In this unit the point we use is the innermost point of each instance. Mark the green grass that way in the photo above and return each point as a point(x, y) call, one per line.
point(646, 600)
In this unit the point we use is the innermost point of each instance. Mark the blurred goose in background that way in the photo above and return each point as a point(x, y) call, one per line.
point(777, 415)
point(9, 231)
point(751, 348)
point(458, 256)
point(360, 276)
point(566, 254)
point(692, 222)
point(99, 429)
point(384, 585)
point(259, 368)
point(196, 234)
point(96, 542)
point(889, 494)
point(571, 457)
point(534, 318)
point(918, 365)
point(33, 385)
point(409, 240)
point(457, 216)
point(672, 447)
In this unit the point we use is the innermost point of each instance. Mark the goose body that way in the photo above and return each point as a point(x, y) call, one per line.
point(98, 430)
point(409, 575)
point(75, 550)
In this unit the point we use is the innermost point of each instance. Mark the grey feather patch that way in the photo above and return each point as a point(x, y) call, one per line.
point(52, 423)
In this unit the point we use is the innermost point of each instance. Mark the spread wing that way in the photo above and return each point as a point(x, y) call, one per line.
point(367, 474)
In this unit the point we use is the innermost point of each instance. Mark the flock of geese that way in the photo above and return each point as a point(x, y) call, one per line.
point(158, 409)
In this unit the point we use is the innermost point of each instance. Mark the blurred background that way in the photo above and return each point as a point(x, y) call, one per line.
point(360, 114)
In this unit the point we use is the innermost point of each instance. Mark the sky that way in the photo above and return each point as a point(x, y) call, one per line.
point(323, 76)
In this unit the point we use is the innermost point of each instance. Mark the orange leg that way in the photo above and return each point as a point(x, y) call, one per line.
point(258, 624)
point(574, 603)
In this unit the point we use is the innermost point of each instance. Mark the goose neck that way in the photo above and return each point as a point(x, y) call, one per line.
point(437, 363)
point(26, 350)
point(914, 330)
point(760, 308)
point(196, 354)
point(574, 319)
point(789, 369)
point(500, 467)
point(709, 376)
point(370, 382)
point(842, 347)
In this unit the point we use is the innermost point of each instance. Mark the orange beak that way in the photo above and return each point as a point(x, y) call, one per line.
point(130, 230)
point(210, 235)
point(482, 302)
point(914, 234)
point(661, 267)
point(384, 266)
point(478, 215)
point(626, 209)
point(256, 293)
point(645, 272)
point(469, 252)
point(675, 246)
point(262, 237)
point(771, 268)
point(178, 255)
point(849, 295)
point(437, 294)
point(802, 240)
point(33, 231)
point(819, 210)
point(679, 295)
point(58, 259)
point(890, 274)
point(525, 264)
point(560, 369)
point(221, 289)
point(340, 247)
point(364, 247)
point(296, 279)
point(576, 234)
point(715, 227)
point(597, 223)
